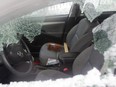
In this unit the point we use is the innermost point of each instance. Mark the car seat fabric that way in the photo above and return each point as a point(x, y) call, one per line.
point(80, 35)
point(88, 59)
point(46, 54)
point(79, 38)
point(72, 19)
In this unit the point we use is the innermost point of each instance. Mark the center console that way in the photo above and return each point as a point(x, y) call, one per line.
point(67, 58)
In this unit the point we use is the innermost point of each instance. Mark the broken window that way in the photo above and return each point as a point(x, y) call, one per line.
point(105, 42)
point(23, 25)
point(30, 25)
point(93, 8)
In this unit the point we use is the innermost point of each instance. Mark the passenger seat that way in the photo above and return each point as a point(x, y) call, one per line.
point(86, 61)
point(78, 39)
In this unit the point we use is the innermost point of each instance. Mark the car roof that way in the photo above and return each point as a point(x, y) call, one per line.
point(10, 9)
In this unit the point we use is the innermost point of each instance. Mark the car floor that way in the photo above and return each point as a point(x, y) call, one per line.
point(35, 70)
point(22, 68)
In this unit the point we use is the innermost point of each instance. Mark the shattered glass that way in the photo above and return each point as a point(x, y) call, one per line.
point(105, 41)
point(106, 5)
point(101, 41)
point(93, 8)
point(90, 12)
point(25, 25)
point(102, 5)
point(29, 25)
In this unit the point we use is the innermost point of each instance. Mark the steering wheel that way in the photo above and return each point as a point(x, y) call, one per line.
point(15, 53)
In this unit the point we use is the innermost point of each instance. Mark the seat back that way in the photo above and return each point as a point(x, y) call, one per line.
point(88, 59)
point(72, 18)
point(80, 36)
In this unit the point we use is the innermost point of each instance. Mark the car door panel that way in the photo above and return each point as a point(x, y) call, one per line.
point(54, 29)
point(54, 26)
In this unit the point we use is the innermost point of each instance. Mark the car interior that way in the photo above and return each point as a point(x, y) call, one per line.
point(63, 49)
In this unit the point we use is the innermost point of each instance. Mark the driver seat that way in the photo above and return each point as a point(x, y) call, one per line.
point(88, 59)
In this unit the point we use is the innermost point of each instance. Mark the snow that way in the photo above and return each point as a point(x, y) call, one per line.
point(92, 79)
point(105, 42)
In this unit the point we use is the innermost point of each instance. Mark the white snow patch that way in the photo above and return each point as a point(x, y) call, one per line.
point(92, 79)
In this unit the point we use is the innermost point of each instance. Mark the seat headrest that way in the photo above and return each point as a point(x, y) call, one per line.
point(75, 11)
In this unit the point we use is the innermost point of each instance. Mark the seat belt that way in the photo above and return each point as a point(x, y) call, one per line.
point(66, 50)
